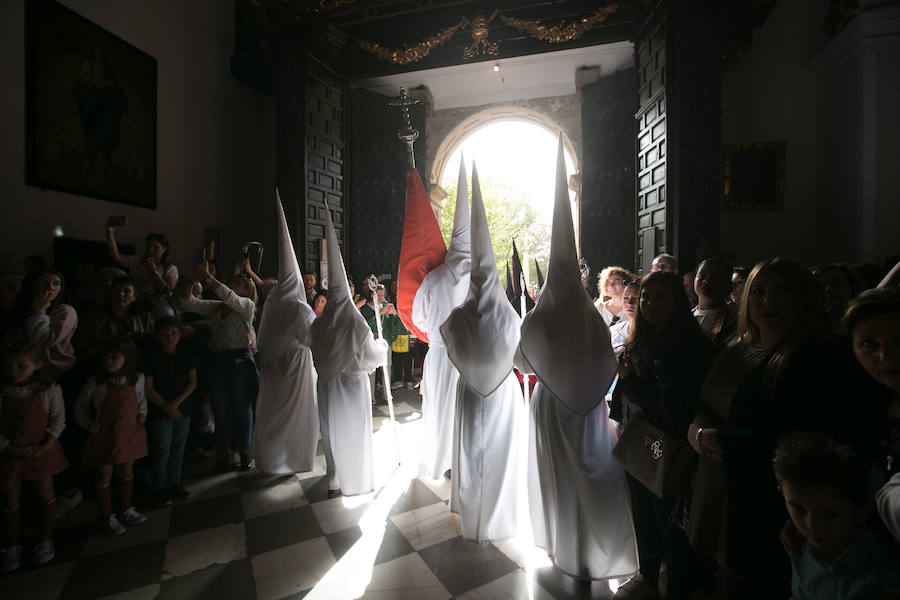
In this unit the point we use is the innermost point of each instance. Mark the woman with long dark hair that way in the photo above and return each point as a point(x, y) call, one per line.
point(154, 275)
point(660, 372)
point(872, 323)
point(39, 319)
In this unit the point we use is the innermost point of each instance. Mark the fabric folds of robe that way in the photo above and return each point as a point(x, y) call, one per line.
point(442, 290)
point(345, 417)
point(481, 336)
point(579, 503)
point(488, 477)
point(287, 421)
point(578, 497)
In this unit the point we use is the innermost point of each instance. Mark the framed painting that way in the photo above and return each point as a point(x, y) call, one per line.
point(753, 176)
point(90, 109)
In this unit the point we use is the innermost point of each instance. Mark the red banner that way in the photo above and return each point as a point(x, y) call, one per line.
point(421, 251)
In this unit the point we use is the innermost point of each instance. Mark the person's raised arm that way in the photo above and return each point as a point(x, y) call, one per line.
point(112, 247)
point(245, 263)
point(892, 278)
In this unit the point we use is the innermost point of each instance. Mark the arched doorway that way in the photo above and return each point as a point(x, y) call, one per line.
point(497, 114)
point(515, 152)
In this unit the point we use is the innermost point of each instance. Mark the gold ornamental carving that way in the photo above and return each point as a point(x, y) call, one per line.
point(558, 33)
point(411, 54)
point(481, 45)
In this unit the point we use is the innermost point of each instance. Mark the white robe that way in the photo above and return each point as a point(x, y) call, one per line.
point(345, 419)
point(487, 460)
point(442, 290)
point(578, 496)
point(287, 422)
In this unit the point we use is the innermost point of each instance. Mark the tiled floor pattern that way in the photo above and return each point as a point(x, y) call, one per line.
point(253, 536)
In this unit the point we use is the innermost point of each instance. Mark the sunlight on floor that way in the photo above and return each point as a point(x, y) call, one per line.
point(396, 464)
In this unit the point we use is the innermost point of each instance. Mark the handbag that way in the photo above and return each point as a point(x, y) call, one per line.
point(660, 462)
point(400, 344)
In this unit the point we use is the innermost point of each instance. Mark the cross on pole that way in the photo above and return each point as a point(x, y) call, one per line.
point(408, 134)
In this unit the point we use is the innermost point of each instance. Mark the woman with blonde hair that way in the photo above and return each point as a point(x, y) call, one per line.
point(611, 284)
point(783, 373)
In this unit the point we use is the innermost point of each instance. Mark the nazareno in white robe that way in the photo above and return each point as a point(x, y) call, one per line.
point(345, 415)
point(578, 496)
point(344, 353)
point(488, 437)
point(287, 423)
point(442, 290)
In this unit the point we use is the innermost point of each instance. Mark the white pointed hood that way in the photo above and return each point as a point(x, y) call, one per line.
point(481, 335)
point(339, 332)
point(286, 316)
point(564, 339)
point(460, 239)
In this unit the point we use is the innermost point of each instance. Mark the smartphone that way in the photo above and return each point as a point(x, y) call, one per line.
point(201, 255)
point(117, 221)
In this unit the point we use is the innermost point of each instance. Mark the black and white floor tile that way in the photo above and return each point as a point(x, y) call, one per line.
point(255, 536)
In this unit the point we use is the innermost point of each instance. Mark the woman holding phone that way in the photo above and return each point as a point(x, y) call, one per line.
point(155, 275)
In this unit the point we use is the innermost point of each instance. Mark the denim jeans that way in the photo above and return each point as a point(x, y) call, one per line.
point(234, 383)
point(167, 438)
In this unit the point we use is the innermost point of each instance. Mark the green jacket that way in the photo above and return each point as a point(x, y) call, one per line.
point(391, 325)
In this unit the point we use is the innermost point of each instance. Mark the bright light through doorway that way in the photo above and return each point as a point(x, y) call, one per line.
point(514, 153)
point(516, 162)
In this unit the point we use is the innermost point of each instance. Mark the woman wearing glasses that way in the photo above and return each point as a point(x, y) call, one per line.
point(612, 289)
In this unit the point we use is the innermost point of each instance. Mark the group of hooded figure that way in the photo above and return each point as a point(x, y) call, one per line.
point(555, 453)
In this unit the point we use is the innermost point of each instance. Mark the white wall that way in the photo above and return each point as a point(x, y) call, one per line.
point(858, 76)
point(771, 96)
point(834, 102)
point(215, 138)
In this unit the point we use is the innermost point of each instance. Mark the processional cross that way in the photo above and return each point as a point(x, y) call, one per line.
point(408, 134)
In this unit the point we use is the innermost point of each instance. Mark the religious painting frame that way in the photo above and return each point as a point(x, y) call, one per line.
point(90, 100)
point(753, 176)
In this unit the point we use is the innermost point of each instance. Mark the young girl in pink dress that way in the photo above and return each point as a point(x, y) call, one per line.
point(32, 416)
point(112, 407)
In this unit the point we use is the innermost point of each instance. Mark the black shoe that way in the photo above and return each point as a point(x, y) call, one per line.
point(178, 493)
point(334, 494)
point(246, 461)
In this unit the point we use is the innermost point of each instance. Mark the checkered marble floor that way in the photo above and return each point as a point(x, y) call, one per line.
point(254, 536)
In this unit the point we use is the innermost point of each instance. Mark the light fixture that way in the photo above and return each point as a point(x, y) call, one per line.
point(496, 67)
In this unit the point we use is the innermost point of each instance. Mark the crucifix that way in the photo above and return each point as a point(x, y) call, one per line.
point(407, 135)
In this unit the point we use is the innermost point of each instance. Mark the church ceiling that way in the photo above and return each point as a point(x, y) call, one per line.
point(378, 37)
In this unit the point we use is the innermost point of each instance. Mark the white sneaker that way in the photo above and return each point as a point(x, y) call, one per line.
point(114, 527)
point(65, 504)
point(411, 385)
point(10, 559)
point(43, 552)
point(132, 517)
point(396, 385)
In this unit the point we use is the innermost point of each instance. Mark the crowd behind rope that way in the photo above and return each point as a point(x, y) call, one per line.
point(106, 383)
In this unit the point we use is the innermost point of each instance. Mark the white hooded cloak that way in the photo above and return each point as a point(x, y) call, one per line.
point(287, 423)
point(344, 353)
point(442, 290)
point(578, 496)
point(481, 338)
